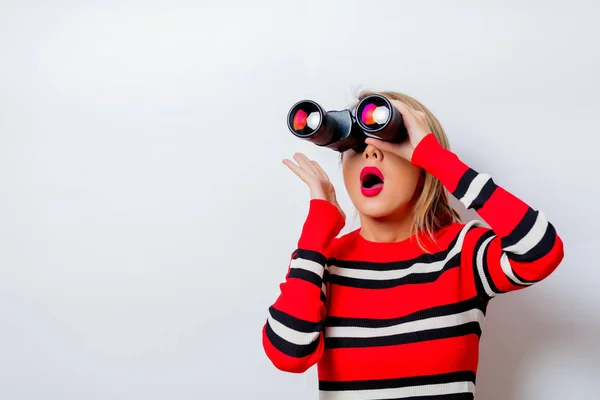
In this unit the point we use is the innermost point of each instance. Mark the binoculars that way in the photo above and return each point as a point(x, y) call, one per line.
point(340, 130)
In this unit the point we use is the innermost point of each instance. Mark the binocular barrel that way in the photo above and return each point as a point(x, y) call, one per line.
point(374, 116)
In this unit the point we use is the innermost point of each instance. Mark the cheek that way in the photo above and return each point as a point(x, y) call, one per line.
point(403, 183)
point(349, 179)
point(350, 172)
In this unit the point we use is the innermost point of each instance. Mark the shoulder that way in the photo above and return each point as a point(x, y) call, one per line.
point(450, 230)
point(342, 243)
point(469, 237)
point(459, 233)
point(460, 228)
point(344, 240)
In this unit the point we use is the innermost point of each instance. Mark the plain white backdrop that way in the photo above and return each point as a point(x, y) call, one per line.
point(146, 219)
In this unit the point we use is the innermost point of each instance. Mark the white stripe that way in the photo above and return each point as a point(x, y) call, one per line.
point(474, 315)
point(480, 270)
point(398, 393)
point(508, 271)
point(324, 284)
point(291, 335)
point(533, 237)
point(474, 189)
point(307, 265)
point(417, 268)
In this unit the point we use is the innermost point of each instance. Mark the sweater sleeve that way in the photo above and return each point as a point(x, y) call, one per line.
point(521, 247)
point(292, 336)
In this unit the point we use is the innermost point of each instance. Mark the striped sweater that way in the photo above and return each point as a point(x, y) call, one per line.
point(389, 321)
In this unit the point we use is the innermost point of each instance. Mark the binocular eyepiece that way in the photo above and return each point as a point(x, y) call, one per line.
point(374, 116)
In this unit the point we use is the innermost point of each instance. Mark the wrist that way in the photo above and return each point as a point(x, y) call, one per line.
point(323, 223)
point(439, 162)
point(317, 195)
point(425, 150)
point(417, 140)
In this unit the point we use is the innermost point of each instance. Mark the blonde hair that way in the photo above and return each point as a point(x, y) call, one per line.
point(432, 209)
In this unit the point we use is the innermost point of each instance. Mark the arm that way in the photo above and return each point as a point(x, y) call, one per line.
point(292, 335)
point(521, 247)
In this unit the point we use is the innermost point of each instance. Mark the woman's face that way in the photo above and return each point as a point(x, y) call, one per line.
point(380, 184)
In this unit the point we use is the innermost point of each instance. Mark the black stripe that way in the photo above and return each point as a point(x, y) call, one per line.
point(486, 192)
point(464, 183)
point(452, 396)
point(390, 283)
point(447, 309)
point(484, 305)
point(294, 323)
point(538, 251)
point(478, 283)
point(395, 383)
point(519, 278)
point(486, 269)
point(405, 338)
point(395, 265)
point(325, 281)
point(521, 229)
point(290, 349)
point(310, 255)
point(524, 280)
point(305, 275)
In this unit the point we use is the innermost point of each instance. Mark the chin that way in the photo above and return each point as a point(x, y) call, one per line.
point(375, 208)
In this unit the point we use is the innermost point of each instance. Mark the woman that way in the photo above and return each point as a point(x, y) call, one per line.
point(395, 308)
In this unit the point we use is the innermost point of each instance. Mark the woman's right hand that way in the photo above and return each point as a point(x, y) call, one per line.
point(316, 179)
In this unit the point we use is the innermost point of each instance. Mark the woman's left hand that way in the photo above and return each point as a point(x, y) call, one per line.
point(417, 127)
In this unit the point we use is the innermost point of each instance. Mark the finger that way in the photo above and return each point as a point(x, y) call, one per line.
point(401, 149)
point(404, 105)
point(405, 108)
point(407, 112)
point(320, 171)
point(421, 115)
point(300, 173)
point(381, 145)
point(315, 167)
point(304, 163)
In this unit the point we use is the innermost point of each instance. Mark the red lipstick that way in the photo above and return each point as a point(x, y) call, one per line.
point(371, 181)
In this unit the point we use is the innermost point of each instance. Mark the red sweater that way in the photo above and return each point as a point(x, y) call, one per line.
point(389, 321)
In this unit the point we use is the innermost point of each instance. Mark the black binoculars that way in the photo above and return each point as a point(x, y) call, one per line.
point(374, 116)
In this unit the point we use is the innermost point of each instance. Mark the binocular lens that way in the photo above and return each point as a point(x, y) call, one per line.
point(306, 118)
point(374, 114)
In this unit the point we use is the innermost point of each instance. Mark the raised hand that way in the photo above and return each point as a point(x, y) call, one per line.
point(316, 179)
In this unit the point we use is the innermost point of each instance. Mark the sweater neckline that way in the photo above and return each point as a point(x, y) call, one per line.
point(405, 244)
point(366, 243)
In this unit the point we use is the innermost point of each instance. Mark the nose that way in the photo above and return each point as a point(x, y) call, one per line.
point(372, 153)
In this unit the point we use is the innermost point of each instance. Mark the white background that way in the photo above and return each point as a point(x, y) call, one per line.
point(146, 219)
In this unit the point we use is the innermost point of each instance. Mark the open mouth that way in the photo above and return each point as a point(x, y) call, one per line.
point(371, 181)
